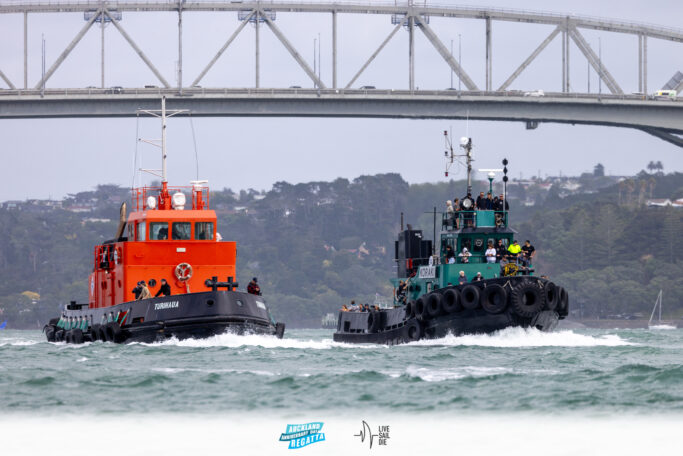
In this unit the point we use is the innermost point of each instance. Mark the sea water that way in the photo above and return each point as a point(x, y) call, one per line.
point(517, 391)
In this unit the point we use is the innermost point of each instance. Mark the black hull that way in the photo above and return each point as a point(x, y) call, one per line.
point(395, 326)
point(192, 315)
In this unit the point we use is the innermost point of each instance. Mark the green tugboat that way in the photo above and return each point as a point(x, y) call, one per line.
point(433, 299)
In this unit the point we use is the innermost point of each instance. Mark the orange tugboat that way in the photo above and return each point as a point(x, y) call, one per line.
point(159, 277)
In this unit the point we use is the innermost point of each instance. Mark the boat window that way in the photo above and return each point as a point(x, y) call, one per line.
point(141, 231)
point(181, 230)
point(478, 245)
point(203, 231)
point(158, 231)
point(466, 242)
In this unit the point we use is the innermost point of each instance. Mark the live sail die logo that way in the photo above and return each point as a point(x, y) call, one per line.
point(366, 434)
point(301, 435)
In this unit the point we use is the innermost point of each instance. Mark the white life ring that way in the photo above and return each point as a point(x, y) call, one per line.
point(183, 272)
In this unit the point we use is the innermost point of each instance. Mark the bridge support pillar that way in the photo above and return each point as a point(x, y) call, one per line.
point(488, 55)
point(334, 49)
point(25, 49)
point(411, 53)
point(257, 56)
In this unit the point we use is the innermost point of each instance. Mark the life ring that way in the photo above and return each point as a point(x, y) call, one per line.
point(470, 297)
point(552, 296)
point(527, 299)
point(451, 301)
point(413, 331)
point(183, 272)
point(494, 299)
point(434, 305)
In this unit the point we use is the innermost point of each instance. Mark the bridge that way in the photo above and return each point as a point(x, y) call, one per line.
point(330, 97)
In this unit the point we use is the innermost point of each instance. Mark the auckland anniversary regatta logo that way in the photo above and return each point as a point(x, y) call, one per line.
point(301, 435)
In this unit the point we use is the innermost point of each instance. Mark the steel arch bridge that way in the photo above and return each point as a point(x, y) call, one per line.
point(413, 16)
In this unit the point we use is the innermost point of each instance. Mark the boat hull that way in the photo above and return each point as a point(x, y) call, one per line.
point(191, 315)
point(403, 324)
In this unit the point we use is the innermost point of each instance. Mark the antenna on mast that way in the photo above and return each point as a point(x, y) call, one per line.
point(162, 113)
point(451, 156)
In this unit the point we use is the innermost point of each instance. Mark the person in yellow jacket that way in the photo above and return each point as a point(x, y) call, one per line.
point(514, 249)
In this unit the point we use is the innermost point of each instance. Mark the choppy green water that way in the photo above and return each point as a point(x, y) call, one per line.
point(608, 371)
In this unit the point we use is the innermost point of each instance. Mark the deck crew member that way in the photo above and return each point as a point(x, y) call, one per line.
point(137, 290)
point(462, 280)
point(144, 291)
point(528, 252)
point(490, 253)
point(165, 289)
point(253, 287)
point(514, 250)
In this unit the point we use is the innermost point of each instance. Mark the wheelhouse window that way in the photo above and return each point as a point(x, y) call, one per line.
point(140, 235)
point(203, 231)
point(181, 231)
point(158, 231)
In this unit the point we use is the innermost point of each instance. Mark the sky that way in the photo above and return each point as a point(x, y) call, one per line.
point(53, 157)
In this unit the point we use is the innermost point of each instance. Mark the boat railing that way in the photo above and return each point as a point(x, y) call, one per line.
point(474, 219)
point(198, 196)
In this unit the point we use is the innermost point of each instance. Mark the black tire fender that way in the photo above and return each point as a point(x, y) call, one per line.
point(413, 331)
point(434, 305)
point(50, 332)
point(95, 333)
point(494, 299)
point(76, 336)
point(67, 337)
point(113, 331)
point(421, 308)
point(374, 321)
point(527, 299)
point(469, 297)
point(279, 330)
point(563, 302)
point(552, 297)
point(102, 333)
point(410, 310)
point(451, 301)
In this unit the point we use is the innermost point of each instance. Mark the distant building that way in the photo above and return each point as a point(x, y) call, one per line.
point(661, 202)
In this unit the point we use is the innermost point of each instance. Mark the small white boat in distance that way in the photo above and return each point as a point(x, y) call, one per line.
point(659, 324)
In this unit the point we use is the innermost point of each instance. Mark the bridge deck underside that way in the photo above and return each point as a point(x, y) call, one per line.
point(661, 115)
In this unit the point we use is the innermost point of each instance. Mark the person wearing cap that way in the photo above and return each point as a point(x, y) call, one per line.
point(462, 280)
point(253, 287)
point(164, 289)
point(478, 277)
point(144, 291)
point(464, 255)
point(137, 290)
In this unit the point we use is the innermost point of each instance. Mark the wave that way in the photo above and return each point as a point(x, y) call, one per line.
point(662, 327)
point(230, 340)
point(438, 375)
point(526, 337)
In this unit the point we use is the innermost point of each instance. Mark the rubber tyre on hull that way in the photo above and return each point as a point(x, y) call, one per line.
point(59, 335)
point(494, 299)
point(469, 297)
point(563, 302)
point(421, 308)
point(279, 330)
point(451, 301)
point(76, 336)
point(113, 331)
point(551, 296)
point(50, 333)
point(102, 334)
point(67, 337)
point(410, 310)
point(527, 299)
point(374, 321)
point(413, 331)
point(434, 305)
point(95, 333)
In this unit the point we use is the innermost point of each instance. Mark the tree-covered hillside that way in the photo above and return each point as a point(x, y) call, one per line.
point(317, 245)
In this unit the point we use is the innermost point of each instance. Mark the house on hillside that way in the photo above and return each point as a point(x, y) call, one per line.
point(659, 202)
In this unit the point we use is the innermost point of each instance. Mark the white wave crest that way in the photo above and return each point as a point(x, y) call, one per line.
point(252, 340)
point(662, 327)
point(438, 375)
point(17, 342)
point(527, 337)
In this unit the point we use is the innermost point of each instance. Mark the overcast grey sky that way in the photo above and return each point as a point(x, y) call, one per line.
point(43, 158)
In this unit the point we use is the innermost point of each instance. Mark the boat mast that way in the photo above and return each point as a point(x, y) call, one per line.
point(466, 143)
point(163, 141)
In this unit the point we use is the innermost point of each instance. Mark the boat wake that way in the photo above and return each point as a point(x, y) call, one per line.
point(526, 337)
point(231, 340)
